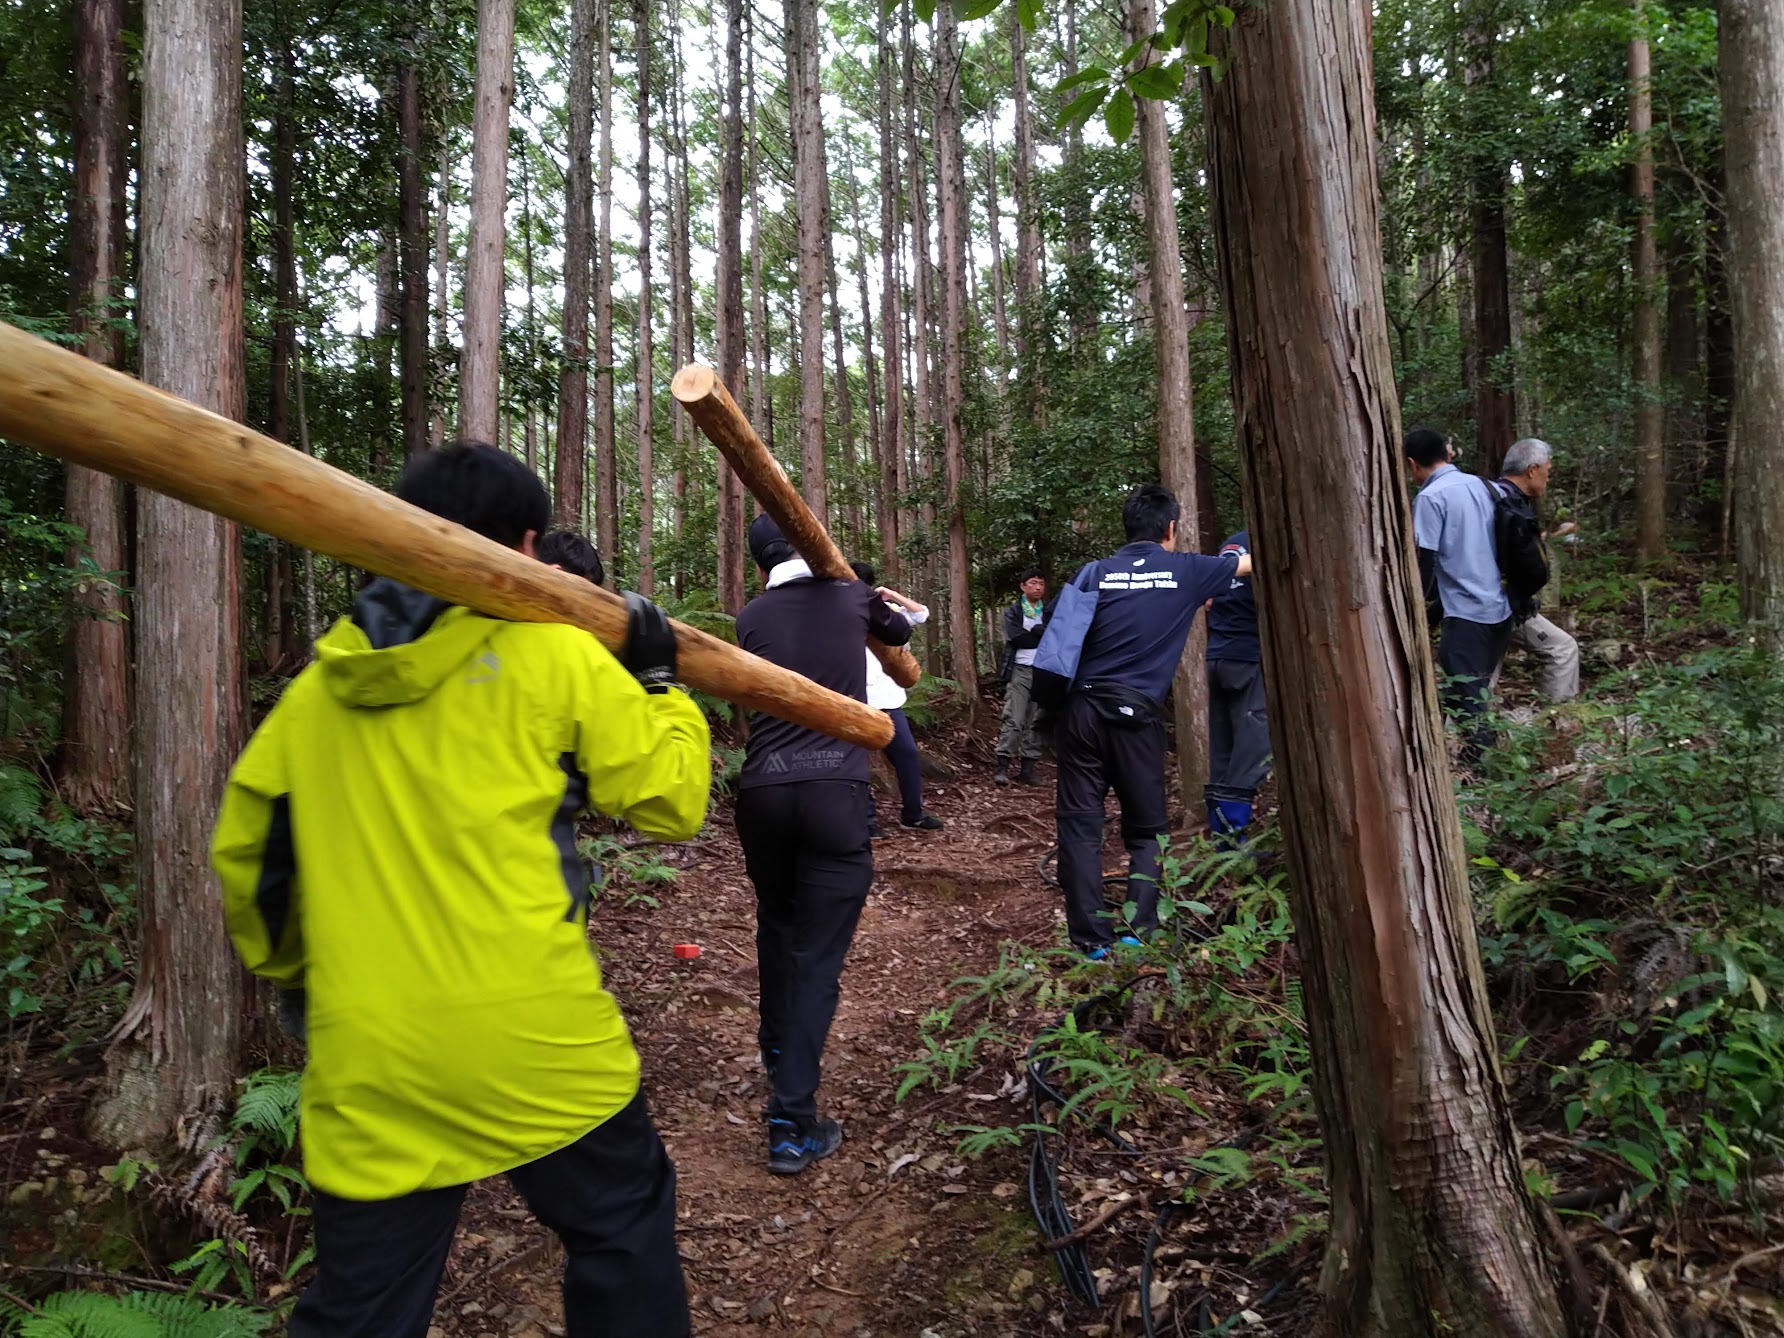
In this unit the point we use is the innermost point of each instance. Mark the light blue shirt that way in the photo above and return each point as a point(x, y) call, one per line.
point(1453, 517)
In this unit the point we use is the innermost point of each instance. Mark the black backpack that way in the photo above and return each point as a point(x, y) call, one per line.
point(1518, 538)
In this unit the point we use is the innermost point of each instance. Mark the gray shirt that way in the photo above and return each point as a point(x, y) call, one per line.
point(1453, 517)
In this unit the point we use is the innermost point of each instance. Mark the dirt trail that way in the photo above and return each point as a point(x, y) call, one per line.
point(896, 1234)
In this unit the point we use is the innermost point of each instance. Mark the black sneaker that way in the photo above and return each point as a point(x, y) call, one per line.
point(1026, 776)
point(795, 1144)
point(1003, 772)
point(923, 822)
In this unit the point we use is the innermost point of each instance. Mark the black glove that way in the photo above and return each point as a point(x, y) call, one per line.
point(649, 652)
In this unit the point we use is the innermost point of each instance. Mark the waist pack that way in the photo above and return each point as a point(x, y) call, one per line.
point(1121, 706)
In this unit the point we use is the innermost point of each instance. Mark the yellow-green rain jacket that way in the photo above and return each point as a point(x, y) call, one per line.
point(399, 838)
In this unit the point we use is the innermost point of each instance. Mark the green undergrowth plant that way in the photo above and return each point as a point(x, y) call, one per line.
point(1633, 874)
point(135, 1314)
point(625, 873)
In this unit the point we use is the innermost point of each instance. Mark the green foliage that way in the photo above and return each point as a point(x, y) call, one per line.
point(626, 870)
point(139, 1314)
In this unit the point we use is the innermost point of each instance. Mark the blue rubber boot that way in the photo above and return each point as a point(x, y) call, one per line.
point(1227, 821)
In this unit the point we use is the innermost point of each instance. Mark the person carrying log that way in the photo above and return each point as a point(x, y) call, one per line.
point(399, 837)
point(803, 809)
point(885, 695)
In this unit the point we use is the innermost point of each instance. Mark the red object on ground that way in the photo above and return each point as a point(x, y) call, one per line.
point(687, 951)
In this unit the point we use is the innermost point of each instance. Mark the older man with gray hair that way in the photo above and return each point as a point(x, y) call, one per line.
point(1523, 482)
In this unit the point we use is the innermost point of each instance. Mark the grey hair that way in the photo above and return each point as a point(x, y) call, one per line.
point(1525, 456)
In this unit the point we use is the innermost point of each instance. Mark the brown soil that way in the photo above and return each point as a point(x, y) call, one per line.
point(895, 1234)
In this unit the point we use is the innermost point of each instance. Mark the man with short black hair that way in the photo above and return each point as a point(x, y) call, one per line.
point(1111, 732)
point(802, 816)
point(399, 836)
point(1453, 520)
point(569, 551)
point(1023, 623)
point(1522, 482)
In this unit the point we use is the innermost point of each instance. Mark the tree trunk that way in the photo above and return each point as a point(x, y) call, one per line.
point(412, 248)
point(1495, 408)
point(480, 378)
point(177, 1047)
point(730, 306)
point(686, 481)
point(891, 447)
point(1679, 371)
point(1431, 1232)
point(922, 417)
point(285, 311)
point(845, 401)
point(606, 447)
point(761, 410)
point(579, 218)
point(1752, 75)
point(807, 124)
point(1000, 317)
point(436, 430)
point(530, 339)
point(1650, 406)
point(95, 758)
point(1718, 362)
point(1176, 413)
point(647, 473)
point(881, 498)
point(951, 176)
point(1028, 222)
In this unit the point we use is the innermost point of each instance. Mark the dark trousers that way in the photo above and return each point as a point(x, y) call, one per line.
point(610, 1197)
point(908, 764)
point(1238, 729)
point(1095, 756)
point(806, 849)
point(1468, 656)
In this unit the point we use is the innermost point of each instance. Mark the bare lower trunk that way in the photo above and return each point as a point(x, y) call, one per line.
point(579, 208)
point(480, 377)
point(1752, 68)
point(730, 306)
point(891, 447)
point(1176, 417)
point(436, 426)
point(177, 1047)
point(647, 473)
point(1495, 408)
point(1431, 1232)
point(808, 190)
point(606, 447)
point(1650, 408)
point(95, 762)
point(412, 250)
point(951, 178)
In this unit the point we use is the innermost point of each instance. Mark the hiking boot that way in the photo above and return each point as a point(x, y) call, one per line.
point(1026, 776)
point(923, 822)
point(795, 1144)
point(1003, 771)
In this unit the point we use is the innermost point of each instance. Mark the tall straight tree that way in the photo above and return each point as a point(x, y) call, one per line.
point(1495, 404)
point(845, 400)
point(279, 635)
point(436, 423)
point(730, 306)
point(1650, 409)
point(1752, 68)
point(1028, 222)
point(178, 1044)
point(1431, 1231)
point(579, 223)
point(606, 447)
point(807, 124)
point(1176, 412)
point(411, 244)
point(479, 387)
point(96, 709)
point(891, 448)
point(645, 396)
point(951, 183)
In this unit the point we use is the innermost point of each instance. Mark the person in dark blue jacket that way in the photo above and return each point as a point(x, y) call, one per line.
point(1238, 717)
point(1111, 731)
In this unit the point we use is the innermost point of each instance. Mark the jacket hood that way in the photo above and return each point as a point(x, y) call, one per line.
point(398, 646)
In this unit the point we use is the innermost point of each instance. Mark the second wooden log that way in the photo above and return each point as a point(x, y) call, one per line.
point(709, 404)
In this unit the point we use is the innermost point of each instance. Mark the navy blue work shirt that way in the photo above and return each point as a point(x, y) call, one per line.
point(1232, 622)
point(1147, 602)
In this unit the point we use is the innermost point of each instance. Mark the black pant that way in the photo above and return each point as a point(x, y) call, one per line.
point(907, 762)
point(610, 1196)
point(1468, 655)
point(806, 848)
point(1238, 729)
point(1096, 754)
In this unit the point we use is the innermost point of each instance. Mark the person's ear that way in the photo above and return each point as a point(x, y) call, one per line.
point(1170, 540)
point(527, 546)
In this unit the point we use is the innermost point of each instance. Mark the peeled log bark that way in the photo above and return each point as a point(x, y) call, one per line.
point(1752, 69)
point(708, 403)
point(1431, 1232)
point(57, 402)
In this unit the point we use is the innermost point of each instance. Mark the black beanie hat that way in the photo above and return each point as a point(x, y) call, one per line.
point(768, 546)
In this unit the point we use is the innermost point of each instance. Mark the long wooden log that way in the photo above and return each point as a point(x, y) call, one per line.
point(61, 404)
point(704, 396)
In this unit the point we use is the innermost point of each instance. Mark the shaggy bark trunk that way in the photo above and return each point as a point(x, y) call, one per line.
point(1176, 415)
point(176, 1049)
point(1431, 1232)
point(480, 380)
point(579, 221)
point(1752, 70)
point(1650, 407)
point(95, 761)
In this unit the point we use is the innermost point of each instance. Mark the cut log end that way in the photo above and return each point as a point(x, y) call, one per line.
point(694, 383)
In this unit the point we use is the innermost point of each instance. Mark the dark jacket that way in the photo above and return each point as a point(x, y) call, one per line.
point(1016, 638)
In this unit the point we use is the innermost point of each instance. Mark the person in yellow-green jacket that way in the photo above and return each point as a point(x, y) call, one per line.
point(399, 838)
